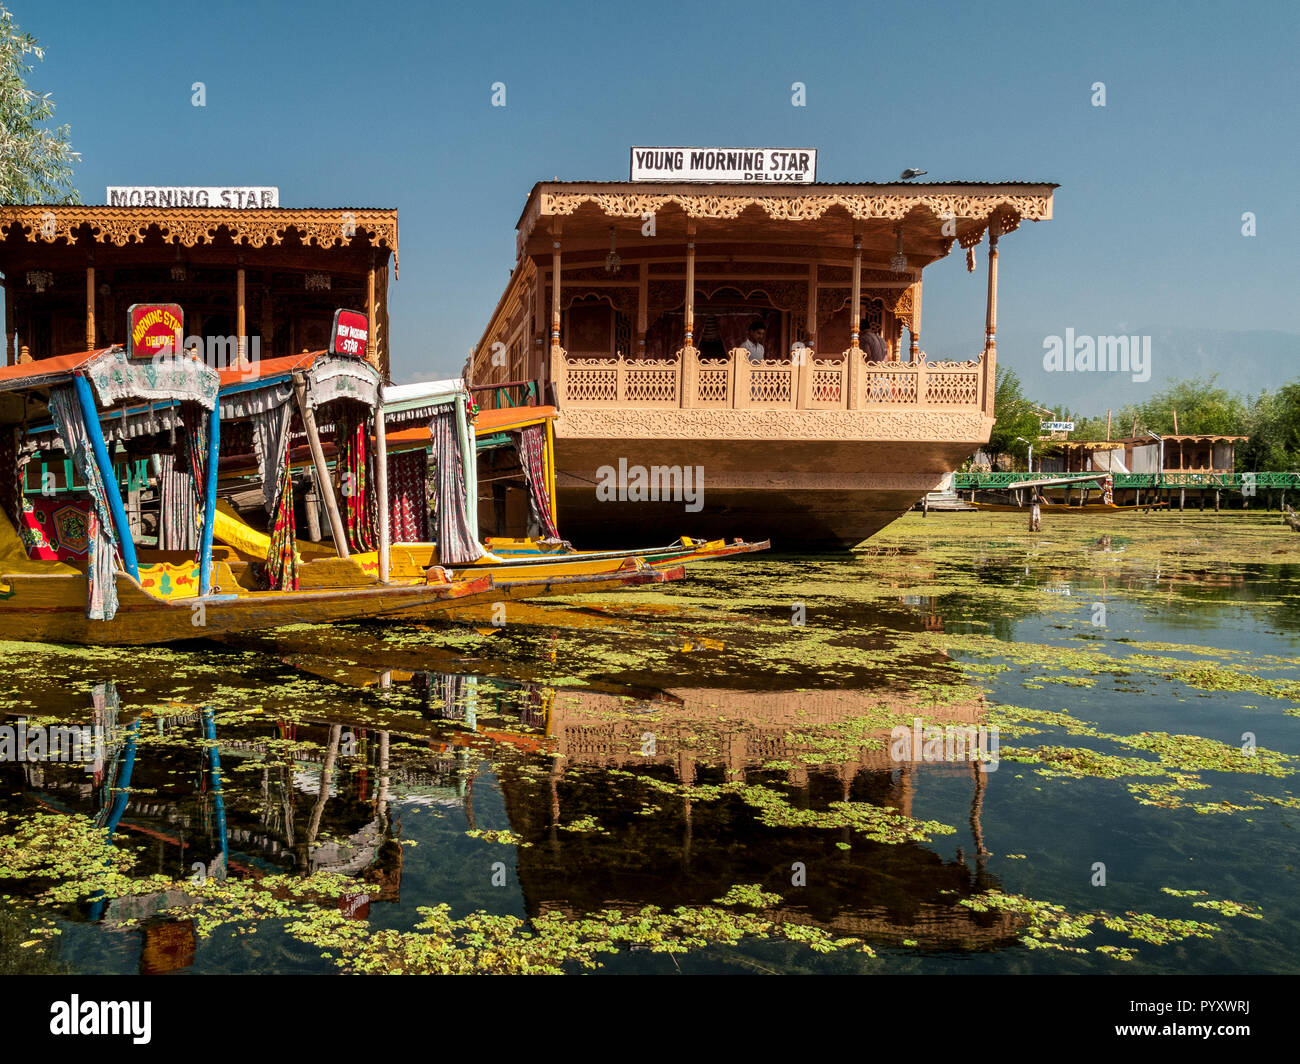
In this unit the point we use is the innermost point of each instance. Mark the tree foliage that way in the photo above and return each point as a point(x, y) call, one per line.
point(1014, 414)
point(36, 161)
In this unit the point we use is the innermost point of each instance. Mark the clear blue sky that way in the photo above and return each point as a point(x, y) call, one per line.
point(389, 104)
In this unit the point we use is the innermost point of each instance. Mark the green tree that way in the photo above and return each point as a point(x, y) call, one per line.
point(35, 161)
point(1014, 415)
point(1202, 407)
point(1273, 424)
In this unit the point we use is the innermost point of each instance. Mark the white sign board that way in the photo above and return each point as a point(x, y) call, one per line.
point(747, 166)
point(239, 196)
point(1058, 426)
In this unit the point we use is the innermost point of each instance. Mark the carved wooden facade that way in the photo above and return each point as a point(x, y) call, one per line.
point(269, 278)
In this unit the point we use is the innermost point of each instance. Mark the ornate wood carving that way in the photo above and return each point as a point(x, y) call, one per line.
point(189, 227)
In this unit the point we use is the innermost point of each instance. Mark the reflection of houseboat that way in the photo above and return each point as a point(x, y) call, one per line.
point(630, 303)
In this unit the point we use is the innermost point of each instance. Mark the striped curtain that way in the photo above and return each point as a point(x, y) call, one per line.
point(178, 526)
point(531, 445)
point(271, 439)
point(456, 545)
point(101, 578)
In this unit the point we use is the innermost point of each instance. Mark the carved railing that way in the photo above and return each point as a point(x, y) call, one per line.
point(806, 381)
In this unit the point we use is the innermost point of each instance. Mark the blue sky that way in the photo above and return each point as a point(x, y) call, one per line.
point(389, 104)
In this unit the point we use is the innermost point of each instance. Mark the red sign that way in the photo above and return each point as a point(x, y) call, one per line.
point(155, 329)
point(351, 332)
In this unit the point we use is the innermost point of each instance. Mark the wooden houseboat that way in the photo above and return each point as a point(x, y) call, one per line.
point(629, 308)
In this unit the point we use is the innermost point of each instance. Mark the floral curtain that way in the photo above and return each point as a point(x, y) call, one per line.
point(456, 544)
point(530, 442)
point(101, 579)
point(408, 512)
point(352, 471)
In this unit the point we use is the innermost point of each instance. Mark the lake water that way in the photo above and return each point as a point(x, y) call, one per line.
point(705, 776)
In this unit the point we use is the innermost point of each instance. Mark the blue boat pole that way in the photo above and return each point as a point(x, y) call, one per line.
point(210, 499)
point(214, 767)
point(90, 417)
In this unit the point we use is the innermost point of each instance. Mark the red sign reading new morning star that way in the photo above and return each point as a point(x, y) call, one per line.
point(351, 331)
point(155, 329)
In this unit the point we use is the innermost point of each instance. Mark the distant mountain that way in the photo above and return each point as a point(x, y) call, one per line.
point(1246, 363)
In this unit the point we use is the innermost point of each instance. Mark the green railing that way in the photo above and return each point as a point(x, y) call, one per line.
point(506, 394)
point(1230, 481)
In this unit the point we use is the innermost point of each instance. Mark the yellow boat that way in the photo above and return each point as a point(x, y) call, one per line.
point(70, 568)
point(421, 422)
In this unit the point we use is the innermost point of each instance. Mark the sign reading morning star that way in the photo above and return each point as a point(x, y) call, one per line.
point(242, 197)
point(746, 166)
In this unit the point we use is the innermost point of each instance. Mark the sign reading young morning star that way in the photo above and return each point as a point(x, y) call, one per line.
point(746, 166)
point(242, 197)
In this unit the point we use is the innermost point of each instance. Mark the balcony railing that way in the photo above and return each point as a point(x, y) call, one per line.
point(807, 382)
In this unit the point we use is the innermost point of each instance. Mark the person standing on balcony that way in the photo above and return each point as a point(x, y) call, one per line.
point(874, 344)
point(754, 344)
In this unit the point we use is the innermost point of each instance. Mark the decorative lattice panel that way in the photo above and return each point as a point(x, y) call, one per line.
point(892, 388)
point(952, 389)
point(771, 385)
point(715, 381)
point(592, 385)
point(651, 385)
point(827, 384)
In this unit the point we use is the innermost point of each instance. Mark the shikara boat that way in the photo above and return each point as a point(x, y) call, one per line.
point(70, 566)
point(381, 524)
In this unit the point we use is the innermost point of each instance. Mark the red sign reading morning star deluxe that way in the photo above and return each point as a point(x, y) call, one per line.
point(351, 331)
point(155, 329)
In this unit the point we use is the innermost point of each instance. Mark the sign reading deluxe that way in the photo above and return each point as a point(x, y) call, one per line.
point(243, 197)
point(749, 166)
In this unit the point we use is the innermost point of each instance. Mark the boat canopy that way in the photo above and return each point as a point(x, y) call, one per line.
point(116, 381)
point(407, 403)
point(266, 385)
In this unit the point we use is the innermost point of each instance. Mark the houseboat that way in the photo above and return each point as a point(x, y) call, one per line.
point(630, 308)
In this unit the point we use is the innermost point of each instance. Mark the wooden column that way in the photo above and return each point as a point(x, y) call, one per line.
point(915, 330)
point(642, 307)
point(690, 284)
point(381, 484)
point(810, 314)
point(855, 300)
point(555, 285)
point(90, 305)
point(241, 325)
point(11, 356)
point(991, 321)
point(372, 342)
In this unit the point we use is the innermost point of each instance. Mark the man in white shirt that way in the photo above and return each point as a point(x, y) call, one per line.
point(754, 345)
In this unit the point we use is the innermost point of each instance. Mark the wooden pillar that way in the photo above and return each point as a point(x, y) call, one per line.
point(690, 284)
point(372, 341)
point(915, 330)
point(381, 484)
point(642, 307)
point(810, 315)
point(555, 285)
point(241, 325)
point(90, 305)
point(855, 299)
point(991, 325)
point(11, 356)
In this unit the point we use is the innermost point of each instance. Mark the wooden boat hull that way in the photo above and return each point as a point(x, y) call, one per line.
point(51, 608)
